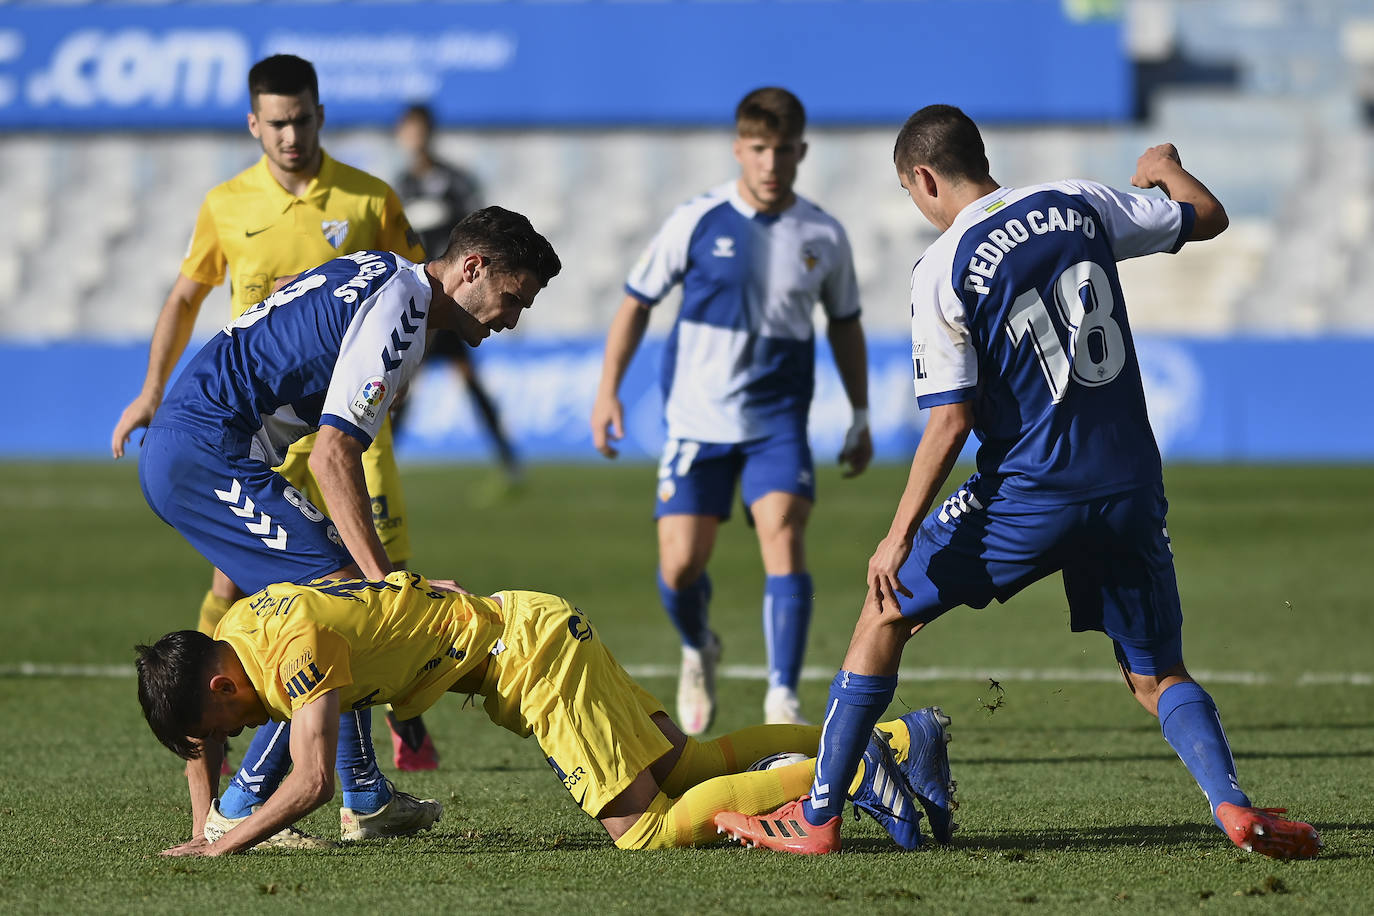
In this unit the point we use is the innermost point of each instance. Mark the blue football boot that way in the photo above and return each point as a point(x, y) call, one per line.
point(884, 795)
point(924, 761)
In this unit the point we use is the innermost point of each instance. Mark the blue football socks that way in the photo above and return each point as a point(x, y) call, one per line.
point(856, 703)
point(365, 789)
point(687, 608)
point(786, 618)
point(264, 766)
point(1190, 723)
point(268, 759)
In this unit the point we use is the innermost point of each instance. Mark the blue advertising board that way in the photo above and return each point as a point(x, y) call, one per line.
point(1236, 399)
point(582, 62)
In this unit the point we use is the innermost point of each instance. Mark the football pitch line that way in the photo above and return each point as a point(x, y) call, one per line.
point(815, 673)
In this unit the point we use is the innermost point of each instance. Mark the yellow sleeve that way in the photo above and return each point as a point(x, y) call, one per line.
point(315, 662)
point(205, 261)
point(395, 234)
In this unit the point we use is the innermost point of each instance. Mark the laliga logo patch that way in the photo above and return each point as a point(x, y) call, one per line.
point(335, 231)
point(369, 398)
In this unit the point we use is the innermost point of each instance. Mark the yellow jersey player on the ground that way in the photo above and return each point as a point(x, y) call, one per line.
point(294, 209)
point(304, 652)
point(325, 354)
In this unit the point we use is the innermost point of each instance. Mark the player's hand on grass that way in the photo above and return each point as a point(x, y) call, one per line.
point(195, 846)
point(1154, 164)
point(608, 424)
point(137, 415)
point(883, 567)
point(858, 448)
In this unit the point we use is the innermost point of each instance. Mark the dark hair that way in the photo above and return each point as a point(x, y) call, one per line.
point(173, 685)
point(944, 139)
point(282, 74)
point(419, 112)
point(770, 112)
point(506, 239)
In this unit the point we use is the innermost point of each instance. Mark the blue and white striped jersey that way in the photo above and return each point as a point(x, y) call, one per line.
point(740, 361)
point(331, 348)
point(1018, 307)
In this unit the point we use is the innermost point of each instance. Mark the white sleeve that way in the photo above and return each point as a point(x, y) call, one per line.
point(1137, 224)
point(840, 291)
point(379, 353)
point(664, 261)
point(942, 351)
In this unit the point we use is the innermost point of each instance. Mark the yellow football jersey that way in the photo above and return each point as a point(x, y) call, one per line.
point(393, 641)
point(259, 232)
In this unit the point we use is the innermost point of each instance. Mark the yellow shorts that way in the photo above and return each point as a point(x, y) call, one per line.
point(383, 485)
point(552, 677)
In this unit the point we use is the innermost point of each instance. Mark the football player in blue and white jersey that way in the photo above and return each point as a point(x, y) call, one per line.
point(328, 352)
point(1020, 335)
point(753, 259)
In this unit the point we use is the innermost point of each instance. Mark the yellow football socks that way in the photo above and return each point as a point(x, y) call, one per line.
point(735, 752)
point(690, 820)
point(212, 610)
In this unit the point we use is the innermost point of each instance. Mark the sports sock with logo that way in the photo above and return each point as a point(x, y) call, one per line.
point(856, 702)
point(365, 789)
point(786, 619)
point(264, 766)
point(690, 819)
point(1190, 723)
point(736, 752)
point(212, 610)
point(687, 608)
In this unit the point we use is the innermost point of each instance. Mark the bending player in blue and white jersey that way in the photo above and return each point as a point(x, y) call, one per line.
point(328, 352)
point(753, 259)
point(1020, 335)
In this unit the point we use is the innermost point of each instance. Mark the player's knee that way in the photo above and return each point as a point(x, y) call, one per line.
point(681, 570)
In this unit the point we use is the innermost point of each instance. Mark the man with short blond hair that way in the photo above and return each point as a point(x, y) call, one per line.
point(738, 373)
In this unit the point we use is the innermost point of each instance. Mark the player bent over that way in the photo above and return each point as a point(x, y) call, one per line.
point(303, 653)
point(1020, 334)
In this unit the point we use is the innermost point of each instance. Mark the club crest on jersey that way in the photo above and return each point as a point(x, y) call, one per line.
point(809, 257)
point(335, 231)
point(725, 247)
point(369, 398)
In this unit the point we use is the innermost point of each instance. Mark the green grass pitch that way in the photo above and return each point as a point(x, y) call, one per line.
point(1071, 800)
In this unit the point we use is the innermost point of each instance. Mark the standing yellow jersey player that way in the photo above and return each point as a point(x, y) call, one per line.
point(294, 209)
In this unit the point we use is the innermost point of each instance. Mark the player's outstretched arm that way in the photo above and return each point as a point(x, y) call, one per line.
point(310, 784)
point(174, 325)
point(608, 414)
point(851, 359)
point(337, 463)
point(1160, 167)
point(946, 431)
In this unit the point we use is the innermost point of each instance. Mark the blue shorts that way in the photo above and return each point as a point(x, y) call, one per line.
point(241, 515)
point(698, 478)
point(1113, 551)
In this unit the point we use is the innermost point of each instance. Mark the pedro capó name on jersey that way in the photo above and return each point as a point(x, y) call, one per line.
point(989, 254)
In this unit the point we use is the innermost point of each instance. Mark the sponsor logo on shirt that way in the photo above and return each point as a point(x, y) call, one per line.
point(725, 247)
point(367, 401)
point(335, 231)
point(580, 629)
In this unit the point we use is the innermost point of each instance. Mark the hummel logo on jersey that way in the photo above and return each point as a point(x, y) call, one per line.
point(959, 504)
point(335, 231)
point(725, 247)
point(261, 526)
point(400, 345)
point(249, 233)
